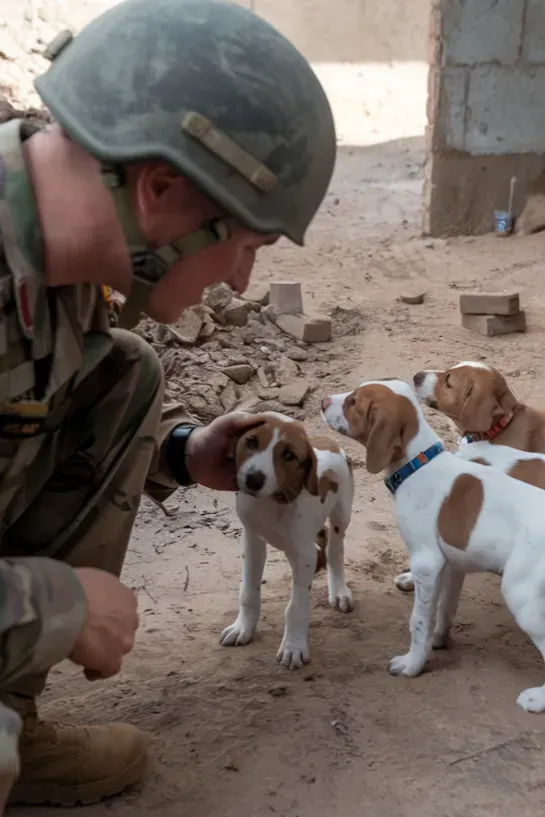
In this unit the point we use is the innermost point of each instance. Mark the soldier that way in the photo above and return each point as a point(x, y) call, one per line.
point(187, 135)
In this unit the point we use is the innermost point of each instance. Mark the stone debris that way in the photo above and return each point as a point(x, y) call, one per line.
point(231, 352)
point(293, 394)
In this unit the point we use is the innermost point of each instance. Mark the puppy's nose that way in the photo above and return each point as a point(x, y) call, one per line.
point(418, 379)
point(255, 480)
point(326, 403)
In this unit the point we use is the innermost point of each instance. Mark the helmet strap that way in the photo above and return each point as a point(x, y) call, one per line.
point(150, 264)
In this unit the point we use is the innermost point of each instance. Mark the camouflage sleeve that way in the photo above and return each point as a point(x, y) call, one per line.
point(160, 483)
point(42, 612)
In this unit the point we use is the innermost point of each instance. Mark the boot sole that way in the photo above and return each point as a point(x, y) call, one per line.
point(84, 794)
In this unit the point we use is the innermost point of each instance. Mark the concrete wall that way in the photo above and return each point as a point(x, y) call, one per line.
point(485, 107)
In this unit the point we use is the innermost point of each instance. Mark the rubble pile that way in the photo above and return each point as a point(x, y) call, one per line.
point(228, 353)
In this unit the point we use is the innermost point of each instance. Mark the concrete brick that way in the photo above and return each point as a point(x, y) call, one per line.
point(451, 118)
point(503, 116)
point(489, 303)
point(478, 31)
point(533, 40)
point(491, 325)
point(305, 328)
point(286, 297)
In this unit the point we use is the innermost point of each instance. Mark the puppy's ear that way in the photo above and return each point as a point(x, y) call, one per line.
point(507, 402)
point(311, 472)
point(384, 443)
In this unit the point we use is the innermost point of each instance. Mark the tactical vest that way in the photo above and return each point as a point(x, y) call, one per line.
point(50, 339)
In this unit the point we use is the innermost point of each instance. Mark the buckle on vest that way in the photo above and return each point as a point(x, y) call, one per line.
point(22, 420)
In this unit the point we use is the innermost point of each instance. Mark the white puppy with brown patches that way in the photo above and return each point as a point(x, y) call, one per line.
point(289, 485)
point(496, 429)
point(455, 516)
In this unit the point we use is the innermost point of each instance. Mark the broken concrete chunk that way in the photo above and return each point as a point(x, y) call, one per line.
point(219, 296)
point(236, 313)
point(491, 325)
point(240, 373)
point(305, 328)
point(294, 393)
point(188, 327)
point(285, 370)
point(257, 294)
point(286, 297)
point(416, 299)
point(489, 303)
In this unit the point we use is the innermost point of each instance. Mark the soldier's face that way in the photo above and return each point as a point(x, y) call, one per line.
point(230, 262)
point(169, 208)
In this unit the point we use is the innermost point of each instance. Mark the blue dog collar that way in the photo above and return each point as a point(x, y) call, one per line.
point(399, 476)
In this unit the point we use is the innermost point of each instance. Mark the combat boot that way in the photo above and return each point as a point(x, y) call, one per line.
point(66, 765)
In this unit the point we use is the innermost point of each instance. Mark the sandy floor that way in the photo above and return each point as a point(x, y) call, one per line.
point(233, 734)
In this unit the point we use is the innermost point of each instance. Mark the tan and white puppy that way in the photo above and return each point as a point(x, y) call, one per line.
point(477, 398)
point(455, 516)
point(496, 429)
point(289, 485)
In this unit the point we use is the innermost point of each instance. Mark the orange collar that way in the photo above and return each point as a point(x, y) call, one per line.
point(492, 433)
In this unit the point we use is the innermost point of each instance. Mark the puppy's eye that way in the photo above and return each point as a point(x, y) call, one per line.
point(350, 402)
point(289, 456)
point(252, 443)
point(447, 380)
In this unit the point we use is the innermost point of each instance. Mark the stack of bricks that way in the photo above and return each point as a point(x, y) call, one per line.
point(286, 302)
point(492, 313)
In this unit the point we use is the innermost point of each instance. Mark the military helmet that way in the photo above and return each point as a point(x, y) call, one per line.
point(209, 87)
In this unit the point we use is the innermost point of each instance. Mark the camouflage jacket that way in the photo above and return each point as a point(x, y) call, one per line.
point(41, 601)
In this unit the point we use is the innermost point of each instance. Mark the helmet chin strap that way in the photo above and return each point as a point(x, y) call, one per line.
point(150, 264)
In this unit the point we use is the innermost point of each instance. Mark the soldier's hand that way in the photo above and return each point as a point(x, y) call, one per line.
point(110, 624)
point(210, 452)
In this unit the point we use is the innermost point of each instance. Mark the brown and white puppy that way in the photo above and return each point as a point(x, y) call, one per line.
point(455, 516)
point(289, 485)
point(496, 429)
point(477, 398)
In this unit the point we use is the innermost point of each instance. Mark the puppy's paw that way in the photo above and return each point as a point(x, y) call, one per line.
point(293, 655)
point(237, 634)
point(532, 700)
point(405, 582)
point(404, 665)
point(342, 600)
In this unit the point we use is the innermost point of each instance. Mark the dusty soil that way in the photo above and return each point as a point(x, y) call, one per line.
point(233, 734)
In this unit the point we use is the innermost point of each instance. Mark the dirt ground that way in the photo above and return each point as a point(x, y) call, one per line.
point(232, 733)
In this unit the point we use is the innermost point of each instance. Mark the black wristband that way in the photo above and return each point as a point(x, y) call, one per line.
point(174, 452)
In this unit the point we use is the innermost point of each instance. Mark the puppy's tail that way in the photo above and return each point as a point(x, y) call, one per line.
point(321, 546)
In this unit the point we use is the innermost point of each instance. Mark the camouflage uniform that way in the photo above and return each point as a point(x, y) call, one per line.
point(81, 430)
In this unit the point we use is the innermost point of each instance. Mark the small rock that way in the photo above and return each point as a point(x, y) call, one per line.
point(188, 327)
point(231, 766)
point(278, 691)
point(267, 394)
point(239, 373)
point(418, 298)
point(237, 360)
point(207, 329)
point(286, 370)
point(217, 381)
point(294, 393)
point(296, 354)
point(218, 297)
point(229, 397)
point(236, 313)
point(226, 342)
point(262, 377)
point(257, 294)
point(270, 313)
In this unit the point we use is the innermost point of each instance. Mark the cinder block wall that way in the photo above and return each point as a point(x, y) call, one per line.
point(486, 109)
